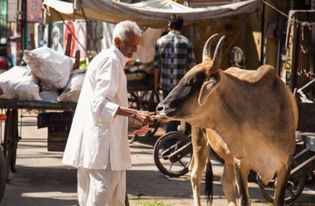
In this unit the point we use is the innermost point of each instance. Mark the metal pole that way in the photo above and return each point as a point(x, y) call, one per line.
point(262, 46)
point(4, 18)
point(23, 27)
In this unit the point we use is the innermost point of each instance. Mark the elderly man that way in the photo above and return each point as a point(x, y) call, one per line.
point(98, 145)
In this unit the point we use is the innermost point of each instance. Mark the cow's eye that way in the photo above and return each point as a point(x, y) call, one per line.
point(190, 81)
point(213, 78)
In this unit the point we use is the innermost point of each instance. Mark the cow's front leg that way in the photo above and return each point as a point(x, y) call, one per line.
point(200, 156)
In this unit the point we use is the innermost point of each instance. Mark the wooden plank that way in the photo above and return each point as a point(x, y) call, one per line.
point(55, 119)
point(16, 104)
point(57, 138)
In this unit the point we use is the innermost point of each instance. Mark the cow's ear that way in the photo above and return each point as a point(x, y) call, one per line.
point(207, 88)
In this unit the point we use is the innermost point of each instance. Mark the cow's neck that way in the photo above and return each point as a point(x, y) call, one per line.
point(226, 109)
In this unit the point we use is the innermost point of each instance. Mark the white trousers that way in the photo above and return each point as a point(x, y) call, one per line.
point(101, 187)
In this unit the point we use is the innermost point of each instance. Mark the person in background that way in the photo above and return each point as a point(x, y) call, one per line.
point(97, 144)
point(174, 56)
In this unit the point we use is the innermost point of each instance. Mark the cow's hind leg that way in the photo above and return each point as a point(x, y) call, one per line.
point(242, 171)
point(228, 176)
point(282, 178)
point(228, 182)
point(200, 156)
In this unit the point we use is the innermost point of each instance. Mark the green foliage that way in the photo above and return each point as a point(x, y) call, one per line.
point(152, 203)
point(83, 64)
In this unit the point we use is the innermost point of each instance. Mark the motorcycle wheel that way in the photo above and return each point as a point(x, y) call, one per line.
point(165, 146)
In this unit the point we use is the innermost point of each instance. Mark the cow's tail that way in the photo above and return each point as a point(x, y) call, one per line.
point(209, 182)
point(241, 186)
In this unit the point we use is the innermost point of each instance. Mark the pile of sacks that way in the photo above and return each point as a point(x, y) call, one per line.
point(48, 76)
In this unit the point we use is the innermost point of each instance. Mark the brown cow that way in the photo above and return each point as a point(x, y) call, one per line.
point(253, 111)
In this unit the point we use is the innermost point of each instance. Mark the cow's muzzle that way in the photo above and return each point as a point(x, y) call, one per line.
point(165, 110)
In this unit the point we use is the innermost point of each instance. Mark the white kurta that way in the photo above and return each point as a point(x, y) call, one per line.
point(97, 135)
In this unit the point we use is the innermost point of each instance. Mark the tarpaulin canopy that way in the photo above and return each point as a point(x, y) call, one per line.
point(153, 13)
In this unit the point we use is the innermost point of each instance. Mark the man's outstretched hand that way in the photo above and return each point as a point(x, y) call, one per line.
point(143, 117)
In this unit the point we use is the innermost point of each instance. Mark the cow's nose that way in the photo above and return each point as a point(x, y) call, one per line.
point(159, 108)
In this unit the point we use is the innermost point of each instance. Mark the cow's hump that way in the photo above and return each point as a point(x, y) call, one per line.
point(253, 76)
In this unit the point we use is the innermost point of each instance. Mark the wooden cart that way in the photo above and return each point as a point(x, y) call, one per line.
point(11, 135)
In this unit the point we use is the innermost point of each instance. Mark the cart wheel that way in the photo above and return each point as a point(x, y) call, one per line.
point(167, 145)
point(3, 173)
point(294, 189)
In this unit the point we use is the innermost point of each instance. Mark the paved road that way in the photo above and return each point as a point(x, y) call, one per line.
point(41, 180)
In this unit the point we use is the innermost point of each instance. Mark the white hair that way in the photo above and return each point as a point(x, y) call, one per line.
point(126, 26)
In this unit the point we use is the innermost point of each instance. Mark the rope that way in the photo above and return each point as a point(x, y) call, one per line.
point(274, 8)
point(303, 59)
point(303, 24)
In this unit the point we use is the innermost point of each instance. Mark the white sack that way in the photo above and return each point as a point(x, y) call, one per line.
point(72, 91)
point(19, 83)
point(51, 67)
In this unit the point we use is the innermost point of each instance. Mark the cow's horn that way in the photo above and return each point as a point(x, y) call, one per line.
point(207, 47)
point(218, 53)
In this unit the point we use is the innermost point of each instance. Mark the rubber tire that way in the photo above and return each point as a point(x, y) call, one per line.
point(3, 173)
point(288, 199)
point(158, 146)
